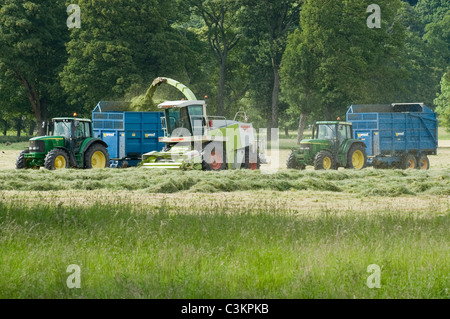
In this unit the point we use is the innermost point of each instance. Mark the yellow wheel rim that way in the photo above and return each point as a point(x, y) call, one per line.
point(326, 163)
point(411, 164)
point(98, 160)
point(60, 162)
point(424, 164)
point(358, 160)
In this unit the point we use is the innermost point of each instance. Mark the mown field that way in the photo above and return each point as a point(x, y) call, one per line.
point(235, 234)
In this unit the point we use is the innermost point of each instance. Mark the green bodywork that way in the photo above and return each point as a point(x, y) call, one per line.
point(76, 148)
point(309, 148)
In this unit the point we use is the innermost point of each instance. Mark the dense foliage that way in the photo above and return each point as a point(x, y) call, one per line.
point(273, 59)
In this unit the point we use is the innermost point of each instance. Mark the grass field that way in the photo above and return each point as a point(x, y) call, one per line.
point(236, 234)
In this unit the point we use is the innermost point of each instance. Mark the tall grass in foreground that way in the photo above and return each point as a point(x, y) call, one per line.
point(170, 252)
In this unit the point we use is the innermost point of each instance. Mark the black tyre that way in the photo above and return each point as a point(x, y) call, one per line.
point(324, 160)
point(292, 163)
point(357, 157)
point(408, 162)
point(423, 163)
point(21, 162)
point(56, 159)
point(96, 157)
point(214, 157)
point(250, 157)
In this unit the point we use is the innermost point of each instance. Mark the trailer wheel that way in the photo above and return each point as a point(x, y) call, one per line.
point(214, 157)
point(324, 160)
point(357, 157)
point(292, 163)
point(56, 159)
point(408, 162)
point(96, 157)
point(423, 163)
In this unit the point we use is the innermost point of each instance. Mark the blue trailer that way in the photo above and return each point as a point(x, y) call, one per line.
point(128, 134)
point(398, 135)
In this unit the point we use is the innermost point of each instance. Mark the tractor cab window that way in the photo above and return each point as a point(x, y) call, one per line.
point(343, 133)
point(82, 129)
point(62, 128)
point(326, 132)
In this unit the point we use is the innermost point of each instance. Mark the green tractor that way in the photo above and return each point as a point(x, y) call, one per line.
point(332, 146)
point(70, 145)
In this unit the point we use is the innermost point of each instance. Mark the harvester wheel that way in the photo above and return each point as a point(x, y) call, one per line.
point(324, 160)
point(96, 157)
point(408, 162)
point(423, 162)
point(251, 166)
point(292, 163)
point(214, 157)
point(357, 157)
point(56, 159)
point(21, 162)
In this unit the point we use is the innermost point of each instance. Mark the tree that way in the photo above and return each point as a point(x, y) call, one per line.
point(121, 47)
point(443, 101)
point(267, 24)
point(335, 60)
point(32, 50)
point(220, 18)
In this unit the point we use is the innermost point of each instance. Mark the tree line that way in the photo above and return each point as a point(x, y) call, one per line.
point(284, 62)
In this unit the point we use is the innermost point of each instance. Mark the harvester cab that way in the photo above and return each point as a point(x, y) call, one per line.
point(331, 146)
point(69, 143)
point(194, 140)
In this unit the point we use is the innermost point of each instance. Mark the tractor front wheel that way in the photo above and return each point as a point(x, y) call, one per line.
point(21, 162)
point(96, 157)
point(324, 160)
point(292, 162)
point(56, 159)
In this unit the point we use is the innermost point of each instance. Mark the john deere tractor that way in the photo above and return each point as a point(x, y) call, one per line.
point(70, 145)
point(332, 146)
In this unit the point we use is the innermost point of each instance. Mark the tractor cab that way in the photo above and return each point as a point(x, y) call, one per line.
point(334, 132)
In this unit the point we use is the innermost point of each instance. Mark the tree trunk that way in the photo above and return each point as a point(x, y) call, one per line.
point(221, 90)
point(301, 126)
point(32, 127)
point(275, 94)
point(286, 131)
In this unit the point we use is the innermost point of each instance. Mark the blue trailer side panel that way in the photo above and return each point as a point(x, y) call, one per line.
point(128, 134)
point(394, 130)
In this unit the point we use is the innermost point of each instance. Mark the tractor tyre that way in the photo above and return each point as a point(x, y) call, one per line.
point(292, 163)
point(214, 157)
point(357, 157)
point(96, 157)
point(251, 166)
point(21, 162)
point(423, 163)
point(324, 160)
point(56, 159)
point(408, 162)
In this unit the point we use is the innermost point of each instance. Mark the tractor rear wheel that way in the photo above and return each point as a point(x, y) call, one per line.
point(292, 163)
point(56, 159)
point(21, 162)
point(423, 162)
point(214, 157)
point(324, 160)
point(408, 162)
point(357, 157)
point(96, 157)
